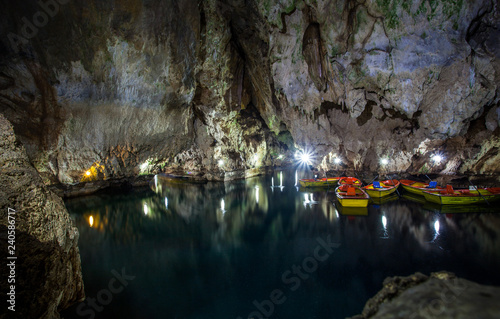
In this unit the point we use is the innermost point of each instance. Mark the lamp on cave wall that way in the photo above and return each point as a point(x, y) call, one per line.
point(304, 157)
point(88, 173)
point(220, 162)
point(337, 160)
point(437, 158)
point(384, 161)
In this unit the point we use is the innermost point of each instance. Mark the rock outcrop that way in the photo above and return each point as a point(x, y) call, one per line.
point(217, 87)
point(47, 270)
point(440, 295)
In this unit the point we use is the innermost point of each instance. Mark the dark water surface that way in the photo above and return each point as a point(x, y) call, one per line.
point(244, 249)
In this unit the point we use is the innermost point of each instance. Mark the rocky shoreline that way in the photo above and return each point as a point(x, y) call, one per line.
point(440, 295)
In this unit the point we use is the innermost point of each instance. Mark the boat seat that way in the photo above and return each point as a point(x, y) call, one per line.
point(376, 185)
point(432, 184)
point(351, 191)
point(449, 189)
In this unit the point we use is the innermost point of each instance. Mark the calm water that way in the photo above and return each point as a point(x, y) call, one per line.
point(244, 249)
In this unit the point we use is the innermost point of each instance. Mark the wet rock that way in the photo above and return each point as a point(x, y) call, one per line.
point(48, 272)
point(440, 295)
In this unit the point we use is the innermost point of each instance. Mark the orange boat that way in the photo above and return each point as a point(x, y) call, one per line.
point(419, 187)
point(381, 189)
point(350, 181)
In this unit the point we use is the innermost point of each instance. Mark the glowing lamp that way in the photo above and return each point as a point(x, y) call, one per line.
point(436, 226)
point(146, 209)
point(91, 221)
point(221, 162)
point(437, 158)
point(87, 173)
point(305, 158)
point(337, 160)
point(384, 161)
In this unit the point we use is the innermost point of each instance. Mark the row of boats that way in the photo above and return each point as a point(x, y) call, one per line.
point(350, 191)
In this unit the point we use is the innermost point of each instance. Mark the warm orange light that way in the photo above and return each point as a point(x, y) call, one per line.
point(91, 220)
point(87, 173)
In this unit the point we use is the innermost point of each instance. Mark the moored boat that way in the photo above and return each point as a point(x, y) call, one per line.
point(381, 189)
point(350, 196)
point(450, 196)
point(419, 187)
point(350, 181)
point(319, 182)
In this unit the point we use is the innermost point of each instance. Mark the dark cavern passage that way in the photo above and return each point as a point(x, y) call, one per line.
point(108, 94)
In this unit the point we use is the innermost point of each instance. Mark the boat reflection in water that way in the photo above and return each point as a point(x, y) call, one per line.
point(209, 250)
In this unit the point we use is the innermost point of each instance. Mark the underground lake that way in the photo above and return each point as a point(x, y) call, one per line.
point(265, 248)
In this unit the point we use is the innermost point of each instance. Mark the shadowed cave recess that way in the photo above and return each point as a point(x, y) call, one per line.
point(97, 93)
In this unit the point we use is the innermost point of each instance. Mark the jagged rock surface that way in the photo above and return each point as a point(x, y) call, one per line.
point(48, 271)
point(127, 87)
point(440, 295)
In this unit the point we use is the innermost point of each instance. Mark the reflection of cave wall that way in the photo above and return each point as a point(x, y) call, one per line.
point(131, 87)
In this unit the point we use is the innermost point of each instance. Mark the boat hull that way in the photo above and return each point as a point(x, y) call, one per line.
point(322, 182)
point(350, 202)
point(460, 198)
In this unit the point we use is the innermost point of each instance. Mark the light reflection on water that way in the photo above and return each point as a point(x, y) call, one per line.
point(211, 250)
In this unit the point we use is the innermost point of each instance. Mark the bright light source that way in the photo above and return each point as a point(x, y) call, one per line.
point(144, 166)
point(280, 156)
point(222, 205)
point(337, 160)
point(91, 220)
point(437, 158)
point(88, 173)
point(304, 157)
point(384, 221)
point(146, 209)
point(384, 161)
point(436, 226)
point(221, 162)
point(166, 203)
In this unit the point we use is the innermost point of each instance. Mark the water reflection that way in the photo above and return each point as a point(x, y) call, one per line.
point(209, 250)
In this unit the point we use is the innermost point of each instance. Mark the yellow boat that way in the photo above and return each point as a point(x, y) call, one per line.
point(419, 187)
point(319, 182)
point(381, 189)
point(450, 196)
point(350, 196)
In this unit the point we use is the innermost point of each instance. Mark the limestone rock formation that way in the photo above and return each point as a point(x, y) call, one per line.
point(47, 269)
point(440, 295)
point(219, 87)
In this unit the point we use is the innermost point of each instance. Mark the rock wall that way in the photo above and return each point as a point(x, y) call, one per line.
point(218, 88)
point(47, 269)
point(440, 295)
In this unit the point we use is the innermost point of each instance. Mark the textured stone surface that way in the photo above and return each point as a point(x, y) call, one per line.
point(48, 271)
point(128, 88)
point(440, 295)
